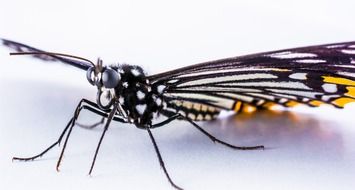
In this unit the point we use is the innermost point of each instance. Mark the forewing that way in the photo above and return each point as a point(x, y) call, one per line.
point(310, 75)
point(19, 47)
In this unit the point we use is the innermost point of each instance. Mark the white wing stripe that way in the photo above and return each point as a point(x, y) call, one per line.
point(229, 78)
point(264, 96)
point(294, 85)
point(227, 71)
point(237, 97)
point(297, 93)
point(218, 101)
point(311, 61)
point(216, 89)
point(290, 55)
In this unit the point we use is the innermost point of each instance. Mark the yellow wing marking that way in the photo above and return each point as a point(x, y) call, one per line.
point(342, 101)
point(269, 105)
point(316, 103)
point(292, 103)
point(237, 106)
point(351, 91)
point(339, 80)
point(247, 108)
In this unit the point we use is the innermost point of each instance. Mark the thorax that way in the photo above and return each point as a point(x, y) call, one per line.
point(137, 96)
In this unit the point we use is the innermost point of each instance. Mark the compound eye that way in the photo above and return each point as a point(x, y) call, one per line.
point(90, 75)
point(110, 78)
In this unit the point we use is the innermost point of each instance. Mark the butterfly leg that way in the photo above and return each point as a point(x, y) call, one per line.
point(92, 126)
point(47, 149)
point(95, 124)
point(161, 162)
point(59, 139)
point(89, 107)
point(214, 139)
point(109, 119)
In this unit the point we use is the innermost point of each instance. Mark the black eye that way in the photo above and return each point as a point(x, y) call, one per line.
point(90, 75)
point(110, 78)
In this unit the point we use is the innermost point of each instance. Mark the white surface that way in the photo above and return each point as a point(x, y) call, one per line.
point(311, 149)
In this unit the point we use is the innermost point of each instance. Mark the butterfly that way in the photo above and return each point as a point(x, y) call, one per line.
point(313, 75)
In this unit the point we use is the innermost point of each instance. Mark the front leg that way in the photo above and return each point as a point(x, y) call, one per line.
point(71, 121)
point(83, 104)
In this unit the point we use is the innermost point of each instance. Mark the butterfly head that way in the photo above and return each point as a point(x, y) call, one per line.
point(106, 79)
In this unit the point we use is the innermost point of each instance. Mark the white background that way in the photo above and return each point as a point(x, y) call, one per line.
point(307, 148)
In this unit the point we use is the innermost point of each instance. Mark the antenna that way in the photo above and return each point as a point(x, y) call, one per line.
point(52, 53)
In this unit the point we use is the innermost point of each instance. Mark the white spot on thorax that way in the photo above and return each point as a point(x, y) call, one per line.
point(125, 84)
point(158, 101)
point(331, 88)
point(140, 95)
point(141, 108)
point(121, 100)
point(135, 72)
point(161, 88)
point(300, 76)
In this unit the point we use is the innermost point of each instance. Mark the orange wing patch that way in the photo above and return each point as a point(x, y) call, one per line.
point(340, 102)
point(292, 103)
point(339, 80)
point(247, 108)
point(237, 106)
point(316, 103)
point(349, 96)
point(351, 91)
point(269, 105)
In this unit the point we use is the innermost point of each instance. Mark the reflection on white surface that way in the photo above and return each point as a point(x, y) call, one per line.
point(303, 150)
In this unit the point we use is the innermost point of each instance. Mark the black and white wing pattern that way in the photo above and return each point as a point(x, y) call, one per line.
point(19, 47)
point(314, 75)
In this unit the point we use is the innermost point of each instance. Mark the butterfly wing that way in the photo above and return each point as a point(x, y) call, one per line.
point(311, 75)
point(19, 47)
